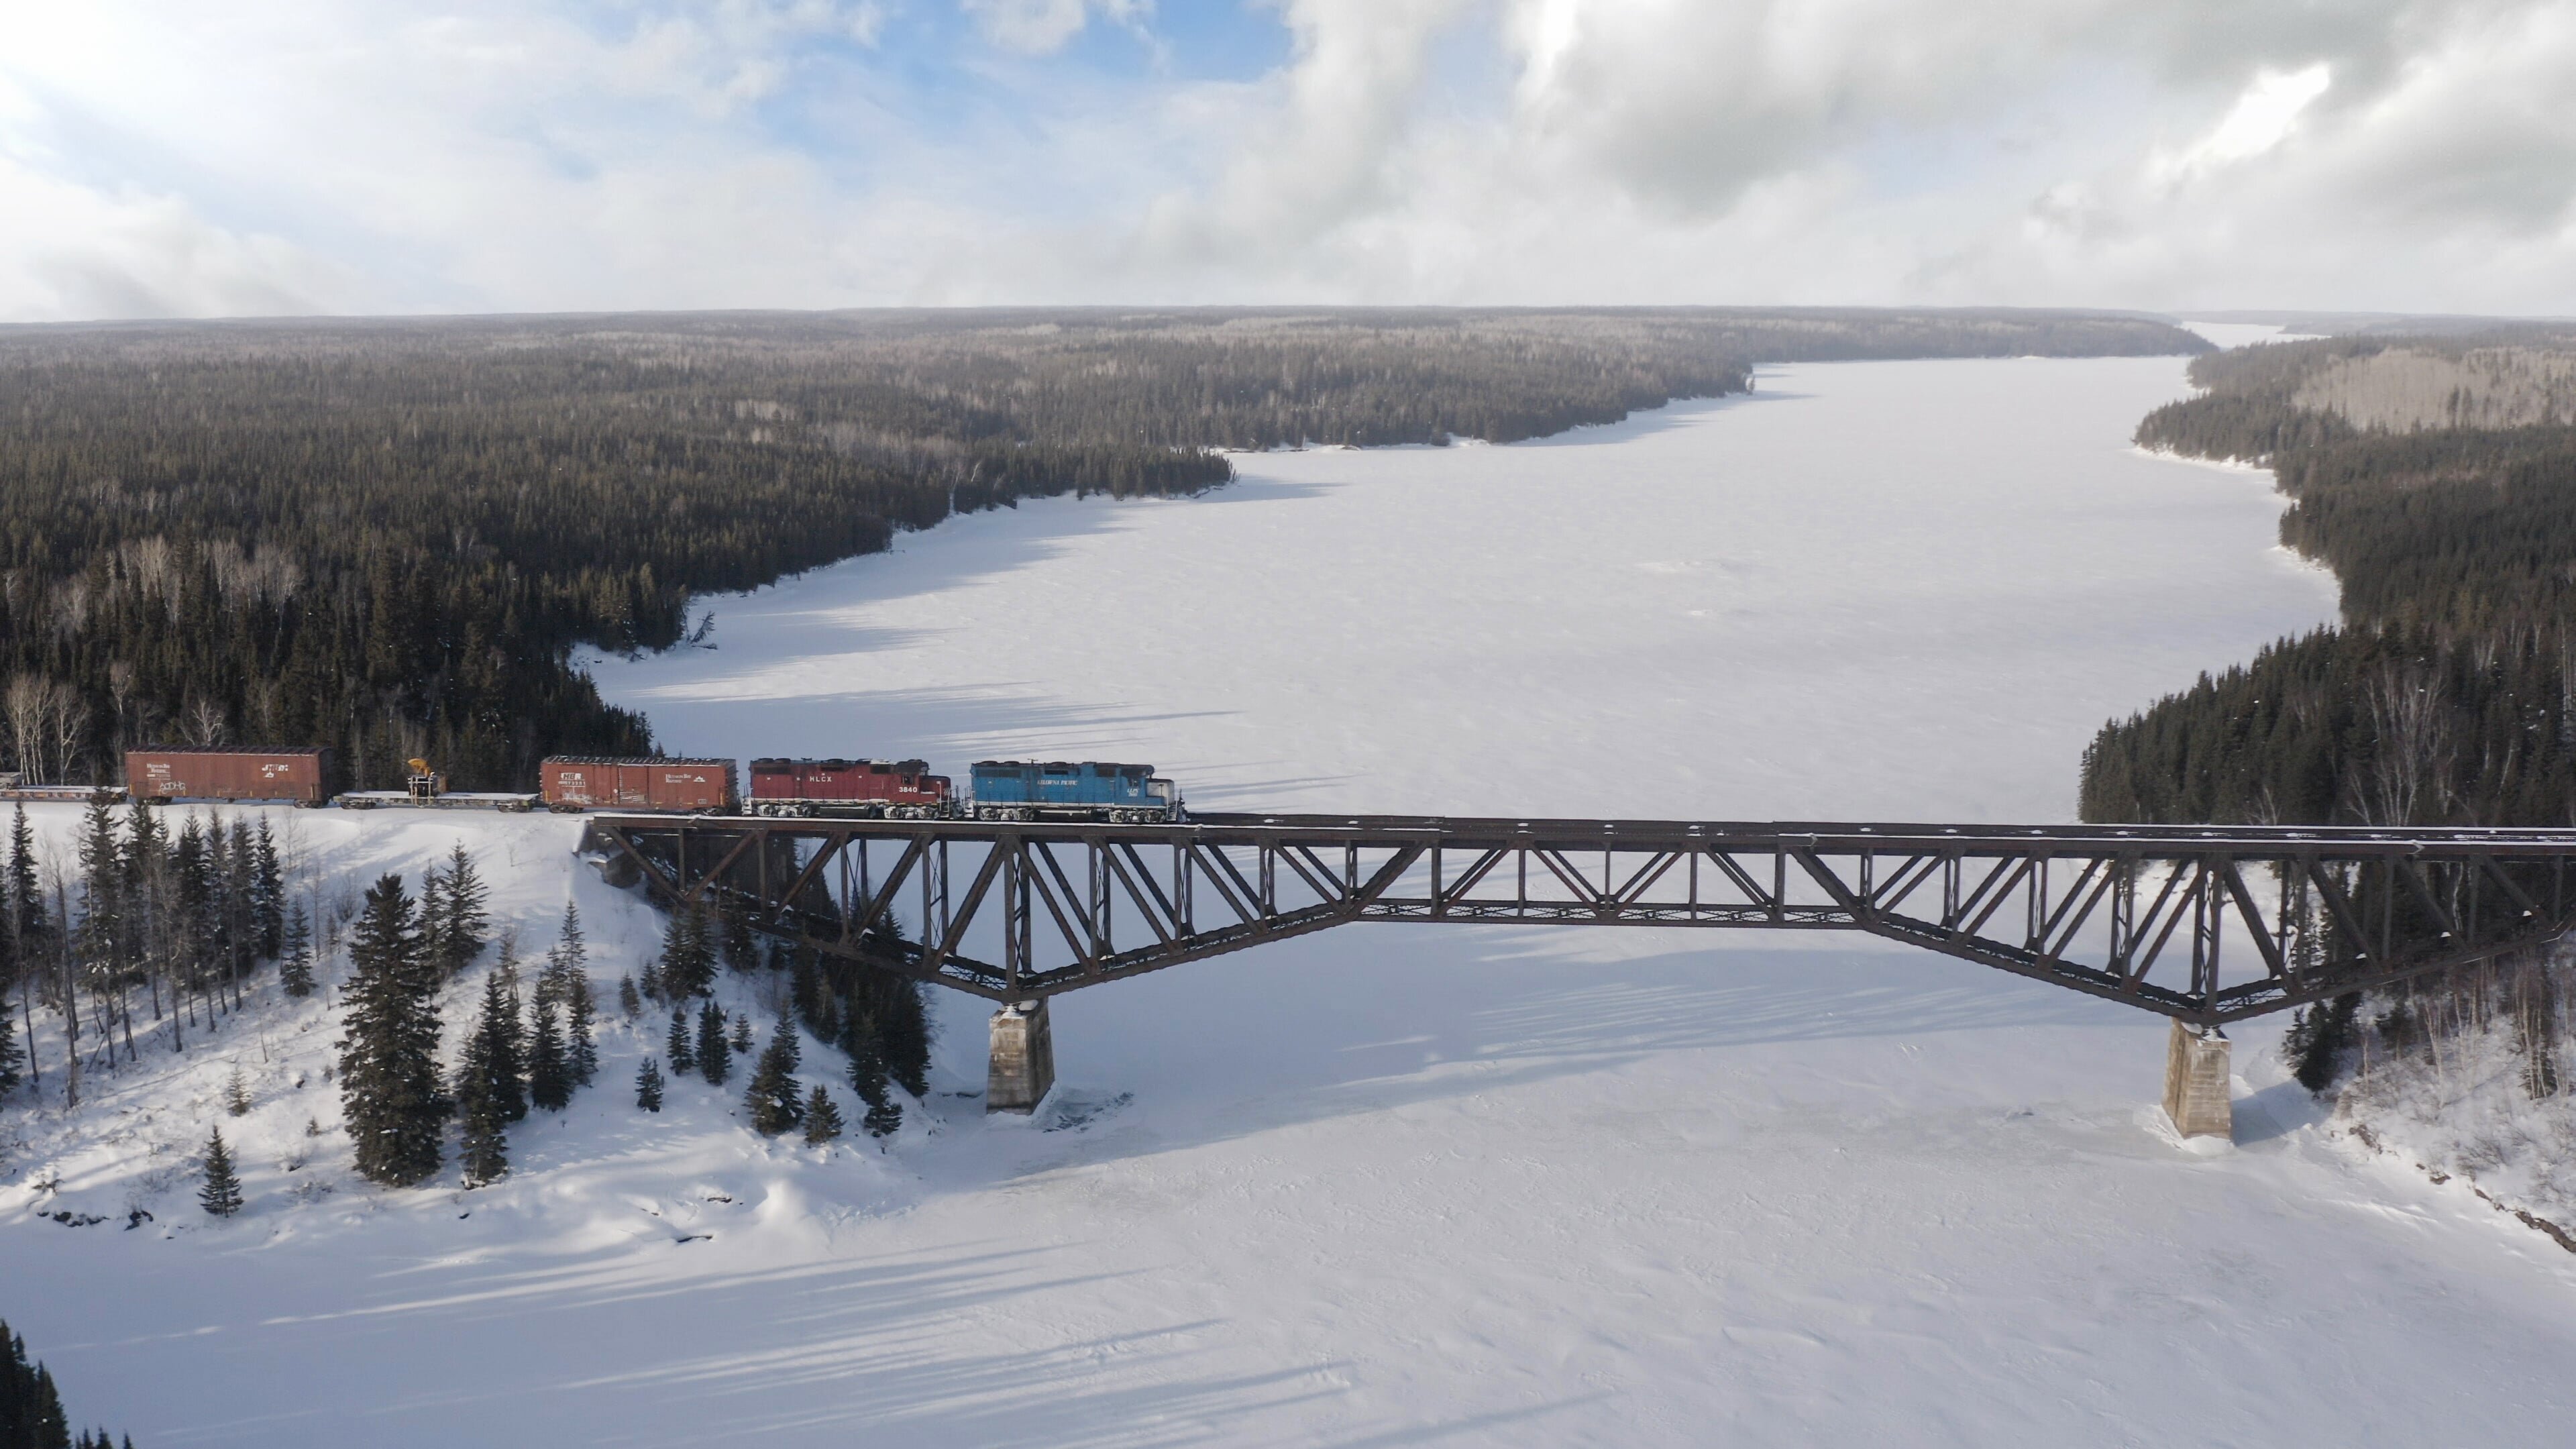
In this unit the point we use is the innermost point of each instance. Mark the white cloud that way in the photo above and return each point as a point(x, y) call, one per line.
point(277, 155)
point(2262, 117)
point(1042, 27)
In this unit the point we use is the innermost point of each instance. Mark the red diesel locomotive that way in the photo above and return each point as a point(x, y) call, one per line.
point(858, 789)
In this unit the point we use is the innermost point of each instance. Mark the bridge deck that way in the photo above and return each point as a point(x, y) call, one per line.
point(2202, 923)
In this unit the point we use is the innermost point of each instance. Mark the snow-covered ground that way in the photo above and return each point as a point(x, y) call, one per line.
point(1451, 1184)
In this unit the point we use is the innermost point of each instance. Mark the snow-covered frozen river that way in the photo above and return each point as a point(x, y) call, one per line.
point(1457, 1185)
point(1889, 590)
point(1474, 1185)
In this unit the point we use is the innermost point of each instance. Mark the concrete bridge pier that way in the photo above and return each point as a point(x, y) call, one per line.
point(2196, 1082)
point(1023, 1066)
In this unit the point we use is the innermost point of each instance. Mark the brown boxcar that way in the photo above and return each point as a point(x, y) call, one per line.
point(903, 788)
point(182, 772)
point(597, 782)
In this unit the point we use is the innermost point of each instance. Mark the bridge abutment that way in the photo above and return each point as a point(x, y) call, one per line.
point(1023, 1066)
point(2196, 1082)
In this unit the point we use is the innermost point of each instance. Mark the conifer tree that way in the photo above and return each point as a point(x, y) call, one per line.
point(493, 1073)
point(868, 1074)
point(459, 927)
point(651, 985)
point(268, 893)
point(688, 955)
point(903, 1028)
point(568, 969)
point(715, 1055)
point(236, 1093)
point(31, 1410)
point(675, 1045)
point(488, 1094)
point(648, 1086)
point(571, 952)
point(549, 1075)
point(242, 951)
point(21, 948)
point(295, 953)
point(741, 948)
point(222, 1194)
point(389, 1059)
point(630, 1002)
point(775, 1101)
point(805, 991)
point(822, 1118)
point(741, 1034)
point(13, 1058)
point(883, 1119)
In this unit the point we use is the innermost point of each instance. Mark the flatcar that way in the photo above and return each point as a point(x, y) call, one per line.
point(188, 772)
point(14, 786)
point(1063, 789)
point(570, 784)
point(850, 789)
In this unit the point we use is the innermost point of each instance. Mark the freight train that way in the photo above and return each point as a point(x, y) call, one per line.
point(570, 784)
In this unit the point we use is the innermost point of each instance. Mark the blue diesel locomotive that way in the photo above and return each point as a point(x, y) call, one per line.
point(1058, 789)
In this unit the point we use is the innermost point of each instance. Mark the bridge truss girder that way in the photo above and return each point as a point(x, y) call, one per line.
point(2205, 925)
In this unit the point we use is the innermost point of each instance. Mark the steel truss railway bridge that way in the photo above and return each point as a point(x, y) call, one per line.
point(2205, 925)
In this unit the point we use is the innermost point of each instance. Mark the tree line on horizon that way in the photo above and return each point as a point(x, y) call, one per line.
point(390, 537)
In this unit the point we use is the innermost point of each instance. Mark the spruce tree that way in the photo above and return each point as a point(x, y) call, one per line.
point(630, 1002)
point(549, 1075)
point(775, 1101)
point(688, 955)
point(822, 1118)
point(903, 1028)
point(268, 893)
point(389, 1059)
point(805, 991)
point(741, 1033)
point(868, 1074)
point(242, 949)
point(715, 1056)
point(883, 1119)
point(741, 948)
point(13, 1058)
point(676, 1044)
point(236, 1093)
point(571, 951)
point(222, 1194)
point(568, 982)
point(295, 953)
point(23, 890)
point(2319, 1039)
point(648, 1086)
point(31, 1409)
point(462, 927)
point(493, 1074)
point(488, 1095)
point(651, 986)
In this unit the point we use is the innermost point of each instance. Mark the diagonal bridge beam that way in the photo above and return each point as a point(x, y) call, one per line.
point(2205, 925)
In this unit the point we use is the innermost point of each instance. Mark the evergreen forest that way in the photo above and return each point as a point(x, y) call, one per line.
point(2447, 694)
point(391, 537)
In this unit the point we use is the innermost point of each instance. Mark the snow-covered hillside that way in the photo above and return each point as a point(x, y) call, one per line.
point(1430, 1184)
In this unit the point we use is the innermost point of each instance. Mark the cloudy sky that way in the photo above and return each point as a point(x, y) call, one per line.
point(173, 157)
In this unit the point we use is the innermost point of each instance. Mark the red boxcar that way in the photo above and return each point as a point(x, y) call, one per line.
point(594, 782)
point(904, 789)
point(180, 772)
